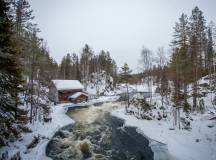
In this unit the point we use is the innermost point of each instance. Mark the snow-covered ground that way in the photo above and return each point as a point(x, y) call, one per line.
point(46, 131)
point(195, 144)
point(182, 144)
point(199, 143)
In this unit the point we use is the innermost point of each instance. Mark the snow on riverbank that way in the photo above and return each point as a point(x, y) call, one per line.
point(46, 130)
point(197, 144)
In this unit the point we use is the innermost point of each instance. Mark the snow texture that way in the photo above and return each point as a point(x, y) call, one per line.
point(77, 94)
point(67, 84)
point(44, 130)
point(197, 143)
point(47, 130)
point(100, 83)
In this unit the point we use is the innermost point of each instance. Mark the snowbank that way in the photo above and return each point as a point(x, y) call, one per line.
point(67, 84)
point(46, 130)
point(197, 144)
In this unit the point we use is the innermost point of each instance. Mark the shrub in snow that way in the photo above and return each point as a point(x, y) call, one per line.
point(140, 102)
point(186, 107)
point(185, 123)
point(201, 105)
point(159, 117)
point(140, 107)
point(34, 142)
point(214, 101)
point(146, 116)
point(16, 156)
point(204, 85)
point(26, 129)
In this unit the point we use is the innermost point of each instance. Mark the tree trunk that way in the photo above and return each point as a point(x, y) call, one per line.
point(128, 101)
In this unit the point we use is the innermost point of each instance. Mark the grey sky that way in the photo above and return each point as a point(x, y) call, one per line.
point(119, 26)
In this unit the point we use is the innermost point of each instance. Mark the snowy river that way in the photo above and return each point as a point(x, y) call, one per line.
point(97, 135)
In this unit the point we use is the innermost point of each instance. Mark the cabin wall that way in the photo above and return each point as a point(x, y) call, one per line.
point(64, 94)
point(81, 98)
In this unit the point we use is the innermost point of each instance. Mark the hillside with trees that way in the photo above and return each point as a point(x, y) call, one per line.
point(174, 94)
point(27, 69)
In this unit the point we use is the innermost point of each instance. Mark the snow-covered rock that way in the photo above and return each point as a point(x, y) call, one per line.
point(100, 84)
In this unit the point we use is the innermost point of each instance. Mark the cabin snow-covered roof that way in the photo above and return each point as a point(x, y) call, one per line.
point(67, 84)
point(77, 94)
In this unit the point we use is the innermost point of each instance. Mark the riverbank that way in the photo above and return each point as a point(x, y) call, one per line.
point(197, 144)
point(104, 136)
point(46, 131)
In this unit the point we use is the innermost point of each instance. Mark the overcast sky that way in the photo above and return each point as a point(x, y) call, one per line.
point(119, 26)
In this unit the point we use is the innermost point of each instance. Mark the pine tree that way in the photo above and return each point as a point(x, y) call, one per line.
point(209, 51)
point(125, 76)
point(163, 82)
point(85, 59)
point(68, 67)
point(75, 66)
point(181, 41)
point(197, 49)
point(198, 31)
point(10, 78)
point(78, 73)
point(174, 65)
point(34, 54)
point(23, 15)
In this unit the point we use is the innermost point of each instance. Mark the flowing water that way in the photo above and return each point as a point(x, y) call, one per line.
point(96, 135)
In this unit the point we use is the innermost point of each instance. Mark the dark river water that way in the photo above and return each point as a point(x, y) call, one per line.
point(96, 135)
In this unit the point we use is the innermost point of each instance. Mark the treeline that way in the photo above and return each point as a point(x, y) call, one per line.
point(73, 67)
point(37, 67)
point(193, 56)
point(33, 54)
point(25, 69)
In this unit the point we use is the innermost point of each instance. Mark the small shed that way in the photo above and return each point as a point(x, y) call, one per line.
point(79, 97)
point(61, 90)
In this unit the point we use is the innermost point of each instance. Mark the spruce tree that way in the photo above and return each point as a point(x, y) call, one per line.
point(23, 14)
point(85, 59)
point(209, 52)
point(197, 50)
point(181, 41)
point(10, 79)
point(125, 77)
point(198, 31)
point(176, 98)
